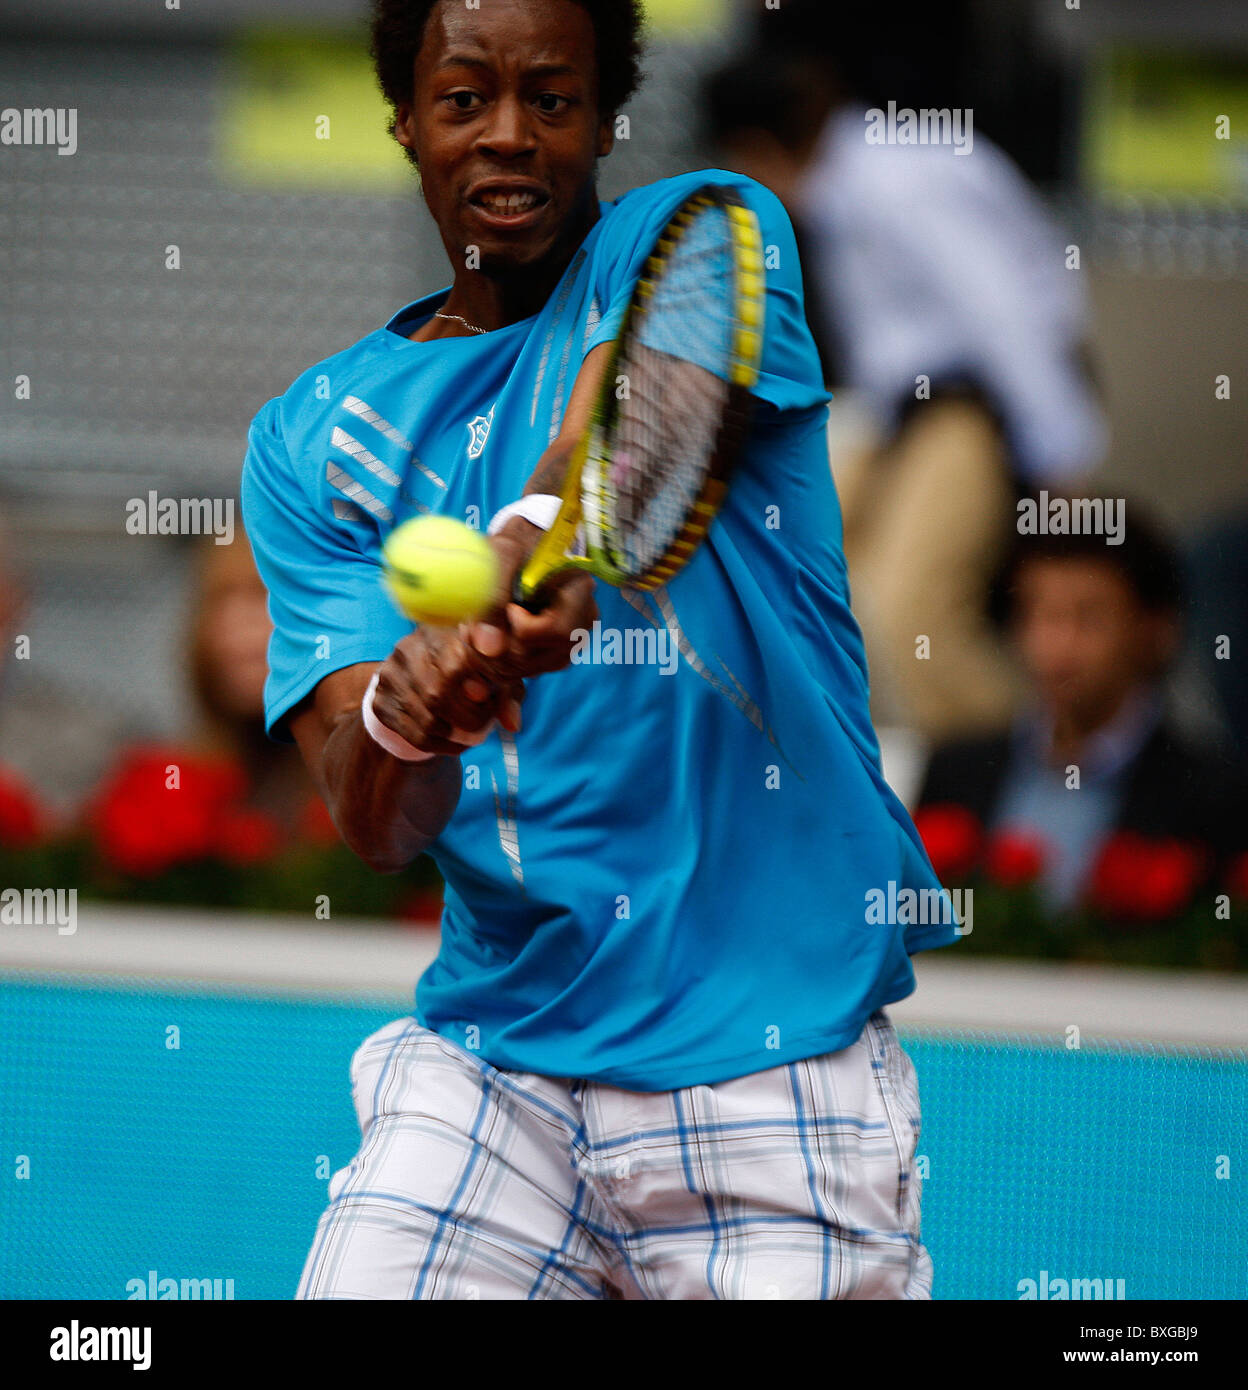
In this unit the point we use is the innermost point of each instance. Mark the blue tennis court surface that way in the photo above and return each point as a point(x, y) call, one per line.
point(209, 1160)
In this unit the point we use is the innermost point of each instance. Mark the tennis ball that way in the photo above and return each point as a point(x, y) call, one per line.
point(439, 571)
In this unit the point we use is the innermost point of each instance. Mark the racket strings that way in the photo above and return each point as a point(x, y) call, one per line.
point(674, 369)
point(662, 450)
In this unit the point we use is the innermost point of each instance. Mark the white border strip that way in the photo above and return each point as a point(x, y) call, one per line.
point(351, 959)
point(347, 958)
point(1103, 1001)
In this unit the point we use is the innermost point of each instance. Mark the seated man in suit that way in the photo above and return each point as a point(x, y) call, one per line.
point(1096, 626)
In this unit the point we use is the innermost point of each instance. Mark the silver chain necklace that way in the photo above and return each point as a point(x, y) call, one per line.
point(471, 327)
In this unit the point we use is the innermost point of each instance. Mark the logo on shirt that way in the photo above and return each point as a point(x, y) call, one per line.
point(479, 432)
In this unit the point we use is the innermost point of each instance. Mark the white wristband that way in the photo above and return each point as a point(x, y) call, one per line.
point(393, 743)
point(539, 508)
point(397, 745)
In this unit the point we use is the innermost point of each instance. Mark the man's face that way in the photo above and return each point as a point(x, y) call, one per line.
point(504, 123)
point(1084, 637)
point(235, 639)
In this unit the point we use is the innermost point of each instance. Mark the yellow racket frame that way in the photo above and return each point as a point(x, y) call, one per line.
point(586, 493)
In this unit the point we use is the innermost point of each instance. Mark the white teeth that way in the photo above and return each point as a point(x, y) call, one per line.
point(508, 202)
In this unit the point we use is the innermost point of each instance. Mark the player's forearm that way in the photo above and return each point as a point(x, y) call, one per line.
point(388, 811)
point(552, 469)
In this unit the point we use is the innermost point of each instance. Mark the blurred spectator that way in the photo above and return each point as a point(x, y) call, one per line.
point(949, 322)
point(1217, 566)
point(228, 663)
point(54, 743)
point(1097, 627)
point(227, 660)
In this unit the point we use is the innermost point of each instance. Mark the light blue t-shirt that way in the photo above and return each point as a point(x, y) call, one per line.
point(663, 880)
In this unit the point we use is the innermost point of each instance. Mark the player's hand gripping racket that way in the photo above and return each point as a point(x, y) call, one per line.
point(651, 469)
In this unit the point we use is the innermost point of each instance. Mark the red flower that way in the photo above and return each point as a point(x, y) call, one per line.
point(316, 825)
point(23, 820)
point(161, 807)
point(422, 906)
point(952, 836)
point(247, 837)
point(1014, 859)
point(1237, 876)
point(1143, 880)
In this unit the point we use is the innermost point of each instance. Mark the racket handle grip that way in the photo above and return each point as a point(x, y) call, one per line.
point(534, 602)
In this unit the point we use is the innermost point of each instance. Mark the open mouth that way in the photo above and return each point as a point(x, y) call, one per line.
point(509, 205)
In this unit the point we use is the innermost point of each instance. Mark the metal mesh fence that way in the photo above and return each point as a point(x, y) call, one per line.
point(142, 375)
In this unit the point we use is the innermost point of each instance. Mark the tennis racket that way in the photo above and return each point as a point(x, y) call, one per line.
point(652, 467)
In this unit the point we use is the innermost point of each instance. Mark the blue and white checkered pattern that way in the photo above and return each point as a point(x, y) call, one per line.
point(795, 1182)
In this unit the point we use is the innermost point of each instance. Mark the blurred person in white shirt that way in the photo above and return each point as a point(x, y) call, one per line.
point(953, 331)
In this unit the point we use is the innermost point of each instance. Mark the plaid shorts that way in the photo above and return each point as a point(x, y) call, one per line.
point(796, 1182)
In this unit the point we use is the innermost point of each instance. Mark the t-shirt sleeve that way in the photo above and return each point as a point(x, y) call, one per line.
point(791, 376)
point(326, 600)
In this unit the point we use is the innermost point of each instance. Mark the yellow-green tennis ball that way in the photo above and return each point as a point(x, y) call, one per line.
point(440, 571)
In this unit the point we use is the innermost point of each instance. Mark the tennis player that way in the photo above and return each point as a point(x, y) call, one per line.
point(652, 1058)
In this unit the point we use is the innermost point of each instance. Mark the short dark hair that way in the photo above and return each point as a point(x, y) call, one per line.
point(1146, 560)
point(763, 90)
point(397, 29)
